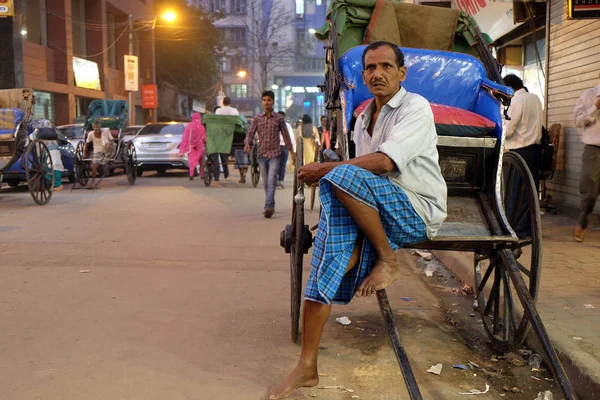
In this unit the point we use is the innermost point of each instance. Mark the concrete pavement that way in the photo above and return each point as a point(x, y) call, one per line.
point(187, 297)
point(570, 282)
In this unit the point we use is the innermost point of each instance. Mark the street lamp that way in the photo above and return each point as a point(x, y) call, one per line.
point(168, 16)
point(312, 31)
point(241, 74)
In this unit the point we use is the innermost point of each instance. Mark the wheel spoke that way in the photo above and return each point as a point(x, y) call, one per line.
point(523, 269)
point(486, 276)
point(508, 187)
point(492, 298)
point(519, 217)
point(497, 301)
point(509, 305)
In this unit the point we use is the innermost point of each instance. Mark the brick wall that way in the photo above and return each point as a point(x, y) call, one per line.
point(574, 59)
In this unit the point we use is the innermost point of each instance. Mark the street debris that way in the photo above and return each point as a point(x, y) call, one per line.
point(467, 289)
point(406, 298)
point(547, 395)
point(344, 320)
point(341, 387)
point(577, 338)
point(85, 271)
point(322, 375)
point(475, 305)
point(431, 268)
point(535, 378)
point(460, 366)
point(494, 359)
point(435, 369)
point(515, 390)
point(516, 362)
point(475, 391)
point(525, 353)
point(535, 361)
point(355, 397)
point(425, 255)
point(360, 329)
point(588, 306)
point(473, 365)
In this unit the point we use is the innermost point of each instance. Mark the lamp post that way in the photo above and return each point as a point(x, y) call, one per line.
point(131, 105)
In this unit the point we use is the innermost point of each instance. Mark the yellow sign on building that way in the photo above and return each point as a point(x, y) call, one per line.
point(7, 8)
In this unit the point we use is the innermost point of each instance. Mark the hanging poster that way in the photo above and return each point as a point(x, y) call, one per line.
point(131, 73)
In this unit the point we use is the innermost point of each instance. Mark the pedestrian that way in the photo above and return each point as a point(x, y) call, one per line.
point(324, 133)
point(193, 143)
point(219, 160)
point(524, 129)
point(310, 138)
point(53, 147)
point(284, 152)
point(586, 117)
point(269, 126)
point(102, 140)
point(391, 195)
point(227, 109)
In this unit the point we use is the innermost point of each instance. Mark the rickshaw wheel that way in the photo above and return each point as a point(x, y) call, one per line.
point(255, 175)
point(131, 163)
point(254, 170)
point(297, 248)
point(81, 171)
point(39, 172)
point(503, 319)
point(207, 170)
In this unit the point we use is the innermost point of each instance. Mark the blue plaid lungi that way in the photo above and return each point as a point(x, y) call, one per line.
point(337, 232)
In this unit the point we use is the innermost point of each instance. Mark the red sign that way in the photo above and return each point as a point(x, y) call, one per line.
point(149, 96)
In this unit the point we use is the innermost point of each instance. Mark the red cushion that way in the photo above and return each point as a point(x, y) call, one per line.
point(451, 121)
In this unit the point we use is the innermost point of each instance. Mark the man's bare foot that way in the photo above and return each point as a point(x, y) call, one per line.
point(301, 376)
point(579, 233)
point(383, 274)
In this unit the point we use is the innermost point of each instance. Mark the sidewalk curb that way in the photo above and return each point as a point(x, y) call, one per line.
point(585, 385)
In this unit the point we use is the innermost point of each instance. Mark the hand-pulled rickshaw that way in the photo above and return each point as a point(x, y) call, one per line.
point(112, 114)
point(17, 152)
point(493, 208)
point(225, 134)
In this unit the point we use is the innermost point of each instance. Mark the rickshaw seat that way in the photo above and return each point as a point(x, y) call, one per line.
point(452, 79)
point(9, 120)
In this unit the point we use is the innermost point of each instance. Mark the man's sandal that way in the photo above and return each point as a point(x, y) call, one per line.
point(578, 234)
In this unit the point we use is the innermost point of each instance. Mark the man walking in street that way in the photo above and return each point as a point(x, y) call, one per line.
point(223, 157)
point(284, 152)
point(325, 135)
point(524, 129)
point(586, 117)
point(227, 109)
point(270, 126)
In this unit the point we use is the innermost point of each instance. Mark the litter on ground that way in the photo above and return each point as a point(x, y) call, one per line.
point(344, 320)
point(476, 391)
point(435, 369)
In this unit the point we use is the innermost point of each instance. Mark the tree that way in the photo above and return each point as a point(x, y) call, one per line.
point(186, 51)
point(268, 46)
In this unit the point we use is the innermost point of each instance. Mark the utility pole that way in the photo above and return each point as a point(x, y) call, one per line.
point(131, 105)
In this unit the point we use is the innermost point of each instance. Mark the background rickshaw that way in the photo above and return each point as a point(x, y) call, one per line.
point(224, 134)
point(17, 152)
point(112, 114)
point(493, 207)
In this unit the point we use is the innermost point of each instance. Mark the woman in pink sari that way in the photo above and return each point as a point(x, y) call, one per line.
point(193, 144)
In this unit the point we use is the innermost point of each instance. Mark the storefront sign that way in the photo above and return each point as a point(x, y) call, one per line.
point(149, 96)
point(7, 8)
point(579, 9)
point(131, 73)
point(493, 17)
point(86, 74)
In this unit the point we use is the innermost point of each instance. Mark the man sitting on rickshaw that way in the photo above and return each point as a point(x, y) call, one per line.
point(391, 195)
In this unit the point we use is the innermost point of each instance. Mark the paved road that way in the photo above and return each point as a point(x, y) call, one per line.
point(188, 298)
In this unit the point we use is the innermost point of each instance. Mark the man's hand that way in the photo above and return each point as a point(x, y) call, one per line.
point(597, 104)
point(293, 158)
point(247, 148)
point(313, 172)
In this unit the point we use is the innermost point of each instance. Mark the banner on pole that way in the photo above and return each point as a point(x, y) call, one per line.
point(131, 73)
point(7, 8)
point(149, 96)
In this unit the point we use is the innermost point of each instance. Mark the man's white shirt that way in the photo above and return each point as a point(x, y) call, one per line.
point(227, 110)
point(291, 133)
point(526, 120)
point(586, 116)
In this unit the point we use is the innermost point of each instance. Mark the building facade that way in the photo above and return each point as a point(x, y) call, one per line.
point(72, 51)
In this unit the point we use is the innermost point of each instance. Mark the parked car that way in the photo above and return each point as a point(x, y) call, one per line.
point(73, 132)
point(16, 174)
point(157, 147)
point(131, 131)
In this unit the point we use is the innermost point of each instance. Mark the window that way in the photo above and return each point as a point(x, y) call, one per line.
point(299, 8)
point(36, 22)
point(237, 91)
point(79, 31)
point(235, 37)
point(162, 129)
point(238, 6)
point(112, 52)
point(310, 64)
point(217, 5)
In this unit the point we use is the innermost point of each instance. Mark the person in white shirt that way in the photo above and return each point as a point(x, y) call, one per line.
point(227, 109)
point(102, 140)
point(586, 117)
point(524, 129)
point(391, 195)
point(284, 152)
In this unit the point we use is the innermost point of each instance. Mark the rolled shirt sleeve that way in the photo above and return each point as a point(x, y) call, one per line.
point(585, 110)
point(407, 141)
point(251, 132)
